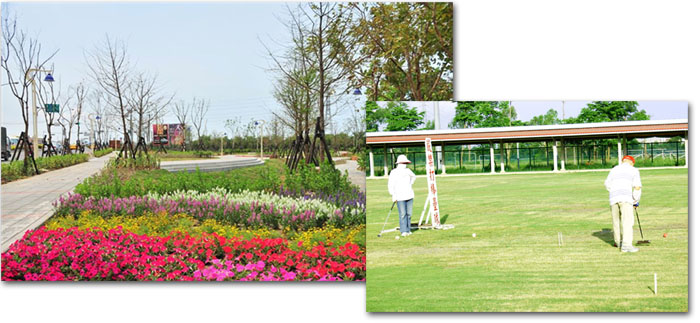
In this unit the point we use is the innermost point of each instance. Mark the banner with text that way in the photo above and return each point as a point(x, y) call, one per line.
point(432, 183)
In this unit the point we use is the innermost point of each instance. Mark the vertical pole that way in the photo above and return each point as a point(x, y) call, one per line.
point(500, 145)
point(677, 143)
point(386, 169)
point(685, 142)
point(517, 149)
point(493, 165)
point(371, 163)
point(554, 155)
point(563, 160)
point(619, 151)
point(261, 142)
point(222, 146)
point(92, 136)
point(652, 154)
point(444, 158)
point(35, 140)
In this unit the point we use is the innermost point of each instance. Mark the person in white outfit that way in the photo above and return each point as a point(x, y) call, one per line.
point(400, 181)
point(625, 187)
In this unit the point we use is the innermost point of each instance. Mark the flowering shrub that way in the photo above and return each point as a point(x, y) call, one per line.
point(246, 208)
point(161, 225)
point(76, 254)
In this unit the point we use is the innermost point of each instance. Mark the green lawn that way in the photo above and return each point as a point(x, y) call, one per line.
point(514, 263)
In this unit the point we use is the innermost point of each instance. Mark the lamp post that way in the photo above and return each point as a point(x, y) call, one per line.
point(48, 78)
point(260, 123)
point(92, 131)
point(222, 144)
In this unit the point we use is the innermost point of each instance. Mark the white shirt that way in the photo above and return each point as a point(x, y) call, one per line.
point(400, 180)
point(620, 183)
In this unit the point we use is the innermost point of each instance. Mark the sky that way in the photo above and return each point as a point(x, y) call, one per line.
point(209, 50)
point(657, 110)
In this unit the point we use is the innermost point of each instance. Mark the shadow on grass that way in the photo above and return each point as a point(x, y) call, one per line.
point(606, 235)
point(443, 219)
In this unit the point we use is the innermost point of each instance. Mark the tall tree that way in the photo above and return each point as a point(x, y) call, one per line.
point(483, 114)
point(111, 71)
point(20, 54)
point(605, 111)
point(182, 111)
point(146, 100)
point(199, 110)
point(409, 46)
point(234, 127)
point(325, 40)
point(375, 116)
point(400, 117)
point(549, 118)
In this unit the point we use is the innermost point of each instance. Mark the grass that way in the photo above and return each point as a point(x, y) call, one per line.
point(514, 264)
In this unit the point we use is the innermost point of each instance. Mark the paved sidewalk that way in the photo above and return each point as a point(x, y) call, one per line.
point(356, 176)
point(27, 203)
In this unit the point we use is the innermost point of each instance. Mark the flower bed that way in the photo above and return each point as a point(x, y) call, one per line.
point(164, 225)
point(245, 209)
point(76, 254)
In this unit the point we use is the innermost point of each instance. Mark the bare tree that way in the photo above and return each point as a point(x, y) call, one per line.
point(182, 110)
point(199, 110)
point(80, 95)
point(20, 55)
point(145, 100)
point(234, 126)
point(98, 109)
point(323, 39)
point(48, 95)
point(110, 69)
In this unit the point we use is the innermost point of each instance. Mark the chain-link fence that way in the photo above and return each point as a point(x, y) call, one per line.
point(533, 156)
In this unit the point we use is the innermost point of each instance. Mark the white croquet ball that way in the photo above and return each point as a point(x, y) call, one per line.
point(397, 238)
point(474, 235)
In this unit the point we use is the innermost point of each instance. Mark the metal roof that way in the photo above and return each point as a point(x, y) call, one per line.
point(600, 130)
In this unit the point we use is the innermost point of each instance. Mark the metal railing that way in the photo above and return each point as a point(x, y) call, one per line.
point(534, 157)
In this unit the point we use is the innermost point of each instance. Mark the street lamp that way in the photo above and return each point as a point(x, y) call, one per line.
point(357, 92)
point(260, 123)
point(48, 78)
point(92, 131)
point(222, 144)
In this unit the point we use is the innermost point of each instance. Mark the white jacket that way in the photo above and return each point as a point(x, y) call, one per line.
point(621, 182)
point(400, 181)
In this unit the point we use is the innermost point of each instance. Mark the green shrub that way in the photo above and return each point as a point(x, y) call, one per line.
point(102, 152)
point(326, 179)
point(124, 182)
point(16, 170)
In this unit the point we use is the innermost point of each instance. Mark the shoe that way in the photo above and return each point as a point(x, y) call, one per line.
point(404, 234)
point(629, 249)
point(616, 245)
point(410, 233)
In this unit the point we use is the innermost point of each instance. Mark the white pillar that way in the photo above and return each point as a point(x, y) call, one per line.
point(386, 169)
point(500, 145)
point(371, 163)
point(685, 141)
point(563, 160)
point(554, 155)
point(442, 149)
point(493, 164)
point(619, 151)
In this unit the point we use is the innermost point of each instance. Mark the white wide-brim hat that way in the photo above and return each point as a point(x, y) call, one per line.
point(402, 160)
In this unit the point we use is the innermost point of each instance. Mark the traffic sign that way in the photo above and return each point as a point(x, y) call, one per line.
point(51, 107)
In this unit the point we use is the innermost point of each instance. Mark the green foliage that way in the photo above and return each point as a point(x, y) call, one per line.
point(374, 116)
point(605, 111)
point(549, 118)
point(402, 118)
point(483, 114)
point(16, 170)
point(326, 180)
point(102, 152)
point(142, 161)
point(411, 50)
point(124, 182)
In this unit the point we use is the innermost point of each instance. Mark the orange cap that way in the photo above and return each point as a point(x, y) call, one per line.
point(628, 157)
